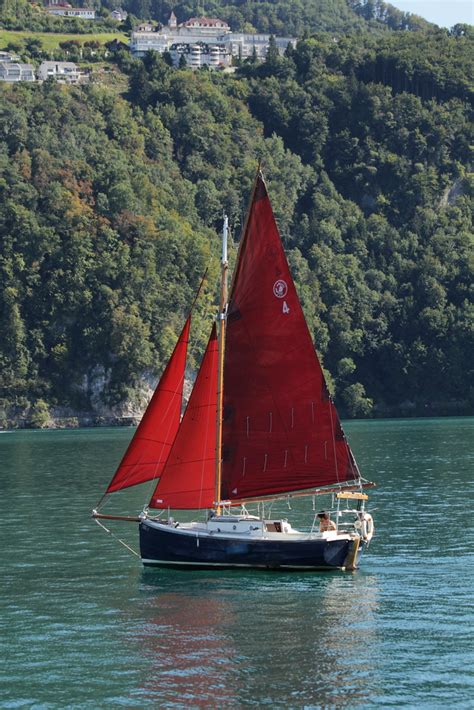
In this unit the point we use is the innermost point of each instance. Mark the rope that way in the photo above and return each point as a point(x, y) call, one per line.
point(134, 552)
point(333, 439)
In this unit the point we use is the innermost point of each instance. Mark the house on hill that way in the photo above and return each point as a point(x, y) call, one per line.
point(64, 9)
point(146, 27)
point(119, 14)
point(9, 57)
point(16, 71)
point(64, 72)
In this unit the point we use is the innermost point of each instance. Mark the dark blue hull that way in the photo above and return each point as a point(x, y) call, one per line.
point(160, 546)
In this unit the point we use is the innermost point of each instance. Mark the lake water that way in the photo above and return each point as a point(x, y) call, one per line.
point(85, 626)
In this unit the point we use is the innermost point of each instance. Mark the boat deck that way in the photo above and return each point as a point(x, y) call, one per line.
point(240, 527)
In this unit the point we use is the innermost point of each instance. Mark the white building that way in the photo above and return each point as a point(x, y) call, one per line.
point(203, 26)
point(198, 55)
point(173, 22)
point(143, 42)
point(9, 57)
point(16, 71)
point(202, 30)
point(66, 10)
point(146, 27)
point(119, 14)
point(244, 45)
point(64, 72)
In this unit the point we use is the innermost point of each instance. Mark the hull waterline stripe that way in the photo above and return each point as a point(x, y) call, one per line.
point(233, 564)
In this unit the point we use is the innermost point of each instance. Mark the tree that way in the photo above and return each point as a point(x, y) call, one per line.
point(34, 47)
point(272, 58)
point(167, 58)
point(356, 401)
point(40, 417)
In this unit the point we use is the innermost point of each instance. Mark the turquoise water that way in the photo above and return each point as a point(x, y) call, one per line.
point(84, 626)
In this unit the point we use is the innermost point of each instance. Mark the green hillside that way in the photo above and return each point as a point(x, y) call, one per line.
point(283, 17)
point(51, 40)
point(111, 206)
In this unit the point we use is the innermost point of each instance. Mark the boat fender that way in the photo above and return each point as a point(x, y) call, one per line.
point(367, 527)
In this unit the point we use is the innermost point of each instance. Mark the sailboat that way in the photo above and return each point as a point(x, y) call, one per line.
point(259, 426)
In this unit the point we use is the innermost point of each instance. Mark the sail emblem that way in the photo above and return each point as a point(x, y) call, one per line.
point(280, 288)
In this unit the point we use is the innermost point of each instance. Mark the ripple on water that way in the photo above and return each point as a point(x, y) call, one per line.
point(85, 627)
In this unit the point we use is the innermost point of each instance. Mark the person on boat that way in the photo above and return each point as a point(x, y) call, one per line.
point(325, 523)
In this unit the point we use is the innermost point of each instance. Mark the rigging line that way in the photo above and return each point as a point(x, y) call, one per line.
point(130, 549)
point(353, 462)
point(221, 336)
point(333, 439)
point(243, 234)
point(199, 289)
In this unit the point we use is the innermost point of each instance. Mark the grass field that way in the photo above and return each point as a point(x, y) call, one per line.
point(51, 40)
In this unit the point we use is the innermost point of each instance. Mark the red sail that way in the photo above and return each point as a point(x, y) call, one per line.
point(148, 450)
point(188, 478)
point(281, 432)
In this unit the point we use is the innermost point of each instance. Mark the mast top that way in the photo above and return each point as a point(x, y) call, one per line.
point(225, 232)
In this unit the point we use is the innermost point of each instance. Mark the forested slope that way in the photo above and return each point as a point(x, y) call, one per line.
point(283, 17)
point(110, 208)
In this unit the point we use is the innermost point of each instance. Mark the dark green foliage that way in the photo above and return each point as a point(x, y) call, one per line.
point(110, 207)
point(98, 261)
point(39, 415)
point(279, 17)
point(392, 183)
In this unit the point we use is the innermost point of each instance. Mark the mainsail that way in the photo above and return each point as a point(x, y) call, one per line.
point(281, 431)
point(149, 449)
point(188, 478)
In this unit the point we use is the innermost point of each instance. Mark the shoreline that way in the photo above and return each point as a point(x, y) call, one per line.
point(97, 421)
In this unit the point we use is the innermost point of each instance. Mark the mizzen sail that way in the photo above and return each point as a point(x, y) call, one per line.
point(281, 431)
point(149, 449)
point(188, 478)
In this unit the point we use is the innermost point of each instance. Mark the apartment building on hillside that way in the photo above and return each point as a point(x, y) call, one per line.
point(196, 36)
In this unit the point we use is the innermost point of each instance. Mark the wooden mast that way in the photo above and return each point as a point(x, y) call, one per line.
point(221, 321)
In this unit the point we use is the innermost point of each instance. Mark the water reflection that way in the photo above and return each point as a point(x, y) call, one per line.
point(308, 639)
point(189, 654)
